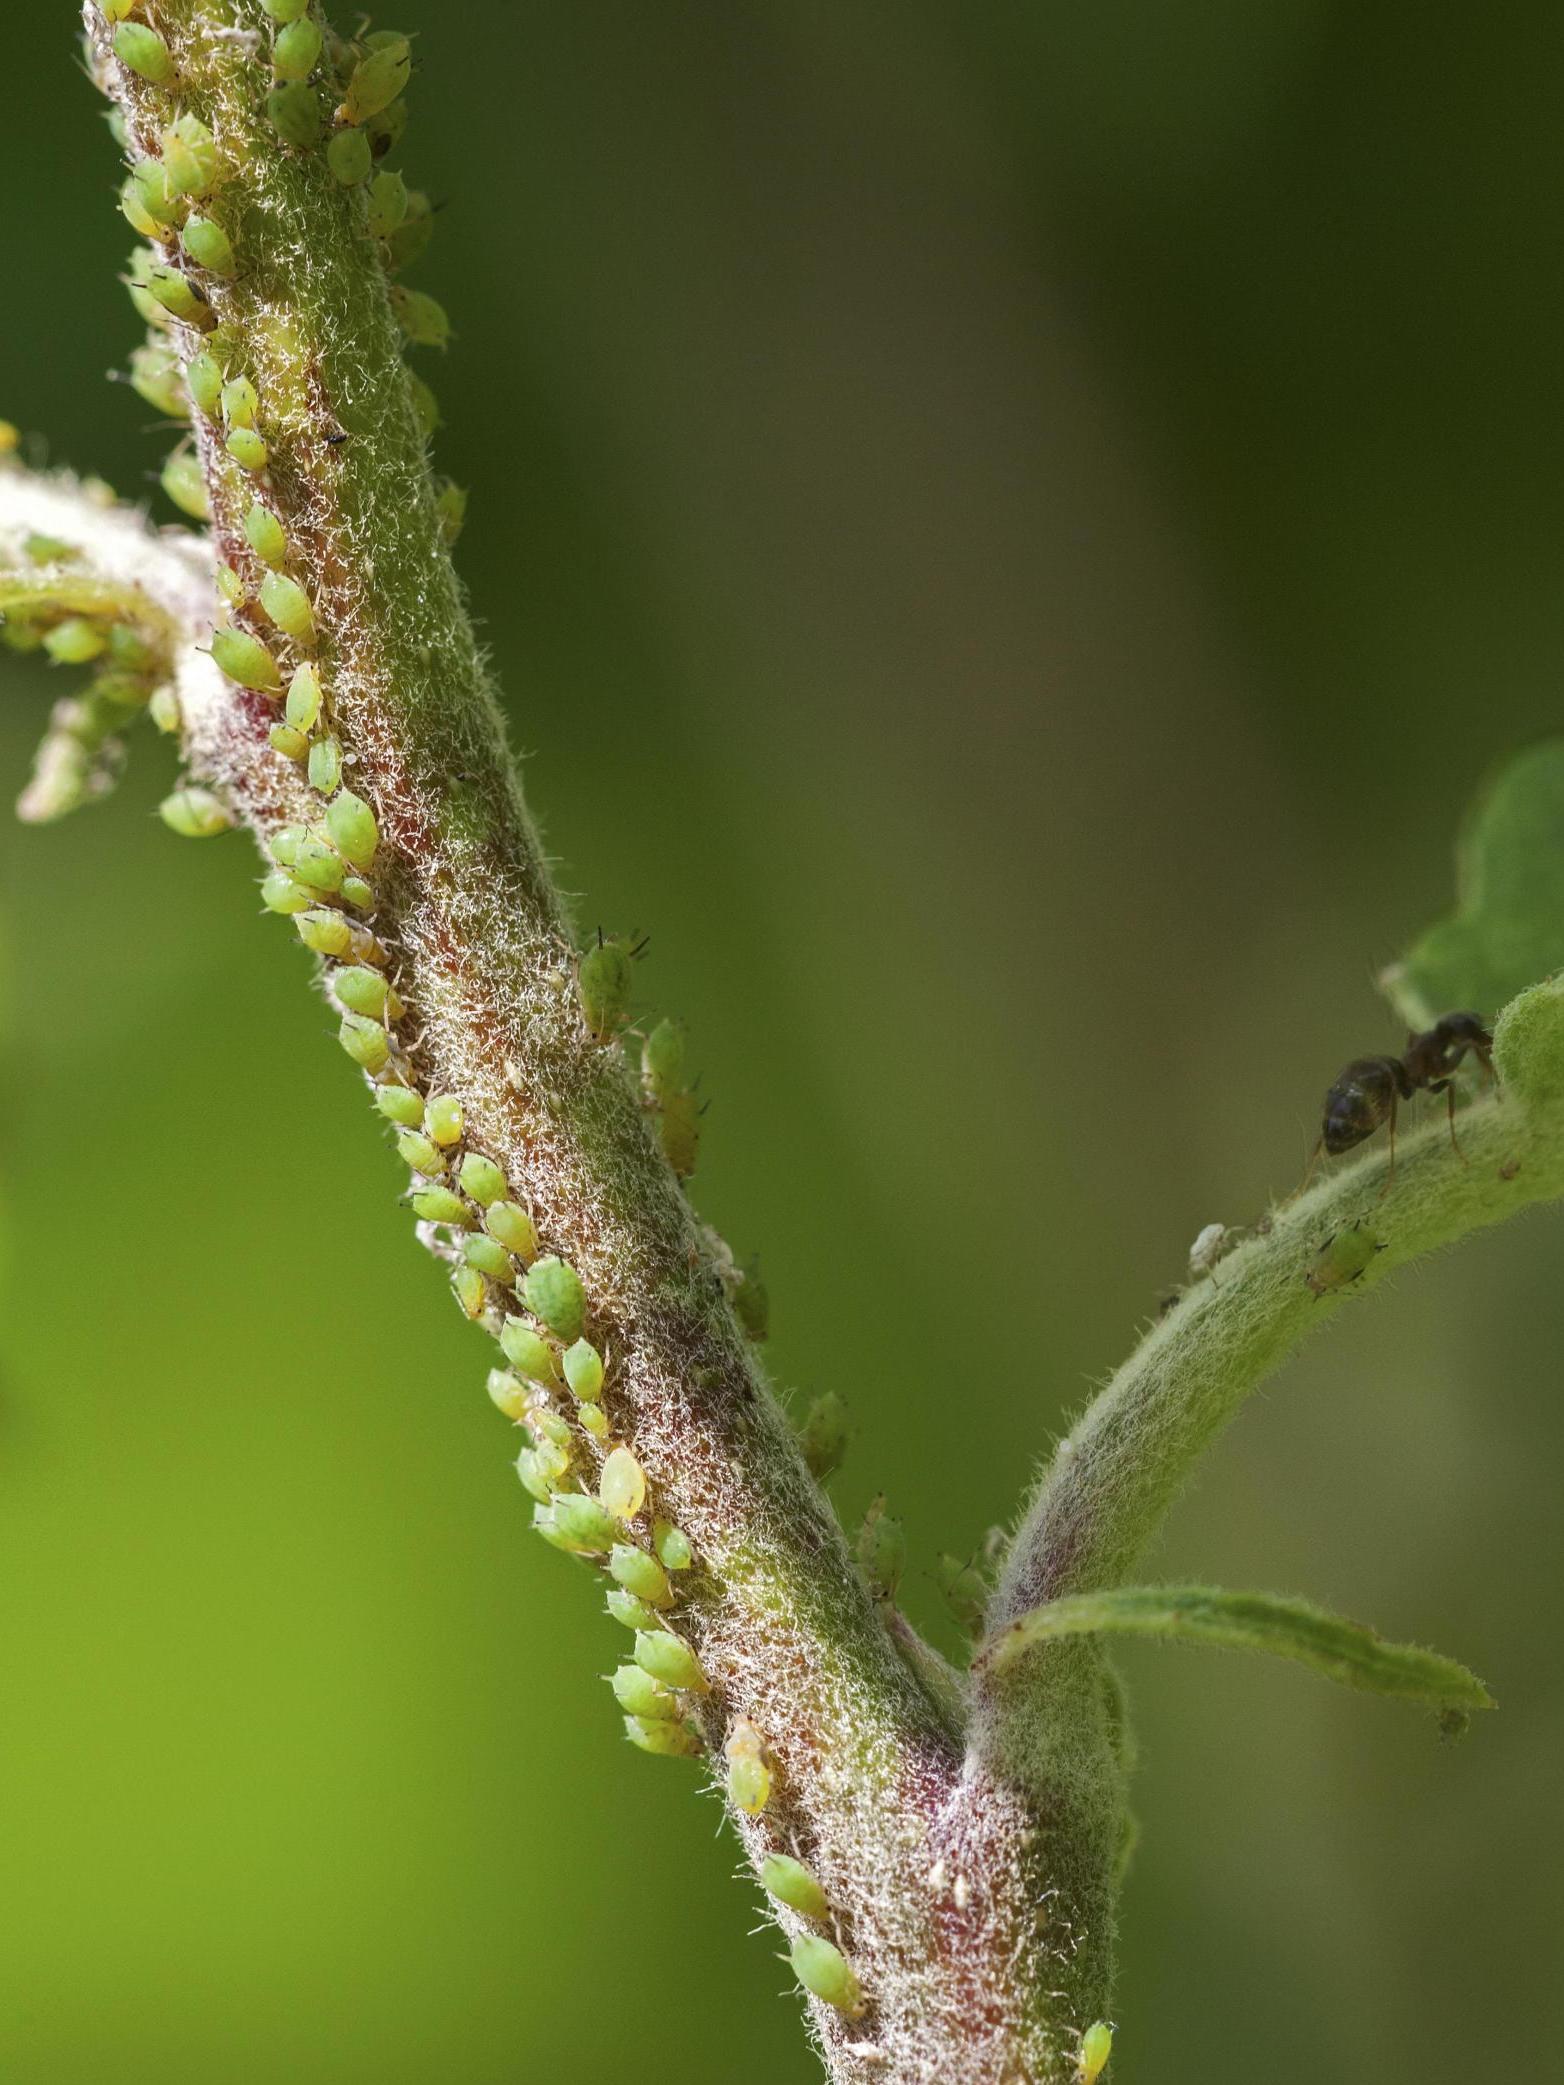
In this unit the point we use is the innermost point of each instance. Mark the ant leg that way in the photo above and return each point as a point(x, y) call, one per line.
point(1391, 1171)
point(1308, 1174)
point(1447, 1088)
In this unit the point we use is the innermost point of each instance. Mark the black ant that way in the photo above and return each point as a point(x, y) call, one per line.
point(1369, 1089)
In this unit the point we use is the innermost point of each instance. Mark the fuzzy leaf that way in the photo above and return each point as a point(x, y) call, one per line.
point(1507, 930)
point(1341, 1650)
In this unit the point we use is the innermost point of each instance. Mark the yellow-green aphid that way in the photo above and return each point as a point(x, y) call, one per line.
point(190, 159)
point(147, 189)
point(583, 1522)
point(279, 893)
point(210, 247)
point(415, 1150)
point(528, 1351)
point(539, 1470)
point(664, 1740)
point(325, 766)
point(1096, 2047)
point(230, 585)
point(426, 323)
point(489, 1258)
point(966, 1590)
point(822, 1435)
point(752, 1303)
point(824, 1970)
point(444, 1115)
point(482, 1179)
point(594, 1420)
point(145, 52)
point(508, 1393)
point(367, 1043)
point(365, 991)
point(302, 707)
point(135, 211)
point(882, 1551)
point(584, 1371)
point(451, 505)
point(603, 980)
point(551, 1428)
point(285, 843)
point(384, 130)
point(377, 80)
point(296, 50)
point(163, 709)
point(640, 1574)
point(329, 934)
point(1343, 1258)
point(155, 376)
point(621, 1485)
point(295, 113)
point(514, 1228)
point(74, 641)
point(641, 1694)
point(195, 814)
point(679, 1132)
point(351, 824)
point(626, 1608)
point(286, 10)
point(116, 10)
point(317, 866)
point(240, 402)
point(470, 1291)
point(181, 479)
point(554, 1293)
point(355, 891)
point(291, 744)
point(407, 243)
point(439, 1205)
point(245, 660)
point(248, 449)
point(204, 382)
point(180, 298)
point(399, 1104)
point(350, 157)
point(749, 1771)
point(672, 1546)
point(425, 405)
point(267, 537)
point(662, 1061)
point(667, 1658)
point(387, 204)
point(791, 1883)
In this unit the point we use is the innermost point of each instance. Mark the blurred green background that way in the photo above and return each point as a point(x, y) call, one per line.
point(1011, 534)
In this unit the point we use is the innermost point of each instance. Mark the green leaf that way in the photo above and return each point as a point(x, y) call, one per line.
point(1507, 931)
point(1341, 1650)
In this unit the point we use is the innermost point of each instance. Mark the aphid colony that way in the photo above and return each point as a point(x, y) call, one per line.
point(591, 1496)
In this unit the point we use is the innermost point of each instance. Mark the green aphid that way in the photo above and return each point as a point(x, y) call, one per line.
point(295, 113)
point(482, 1179)
point(387, 204)
point(663, 1740)
point(528, 1351)
point(626, 1608)
point(245, 660)
point(325, 766)
point(672, 1546)
point(302, 706)
point(1344, 1258)
point(127, 647)
point(350, 157)
point(286, 10)
point(135, 211)
point(489, 1258)
point(181, 479)
point(154, 376)
point(749, 1768)
point(384, 131)
point(377, 80)
point(824, 1970)
point(966, 1590)
point(426, 406)
point(399, 1104)
point(415, 1150)
point(410, 240)
point(351, 824)
point(147, 182)
point(425, 322)
point(145, 52)
point(367, 1043)
point(537, 1471)
point(508, 1394)
point(229, 585)
point(357, 892)
point(116, 10)
point(792, 1884)
point(51, 550)
point(552, 1429)
point(679, 1132)
point(621, 1484)
point(752, 1303)
point(195, 814)
point(470, 1291)
point(285, 843)
point(74, 641)
point(603, 980)
point(450, 506)
point(667, 1658)
point(584, 1523)
point(554, 1293)
point(210, 247)
point(329, 934)
point(514, 1228)
point(584, 1371)
point(240, 402)
point(190, 159)
point(882, 1551)
point(179, 297)
point(204, 382)
point(543, 1524)
point(279, 893)
point(640, 1574)
point(822, 1435)
point(296, 50)
point(594, 1420)
point(439, 1205)
point(1096, 2047)
point(318, 866)
point(248, 449)
point(364, 991)
point(641, 1695)
point(445, 1118)
point(662, 1061)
